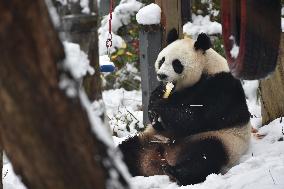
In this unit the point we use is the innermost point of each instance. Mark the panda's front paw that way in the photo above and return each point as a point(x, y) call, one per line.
point(158, 105)
point(158, 92)
point(155, 120)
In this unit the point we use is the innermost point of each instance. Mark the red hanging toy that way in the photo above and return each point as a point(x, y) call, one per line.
point(109, 39)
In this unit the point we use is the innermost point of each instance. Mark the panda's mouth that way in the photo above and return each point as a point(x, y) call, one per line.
point(169, 81)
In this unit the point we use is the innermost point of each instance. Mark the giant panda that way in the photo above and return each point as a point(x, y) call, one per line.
point(203, 127)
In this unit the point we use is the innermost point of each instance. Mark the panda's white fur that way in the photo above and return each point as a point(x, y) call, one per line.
point(236, 141)
point(195, 62)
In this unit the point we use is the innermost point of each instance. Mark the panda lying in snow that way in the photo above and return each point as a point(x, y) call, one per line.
point(185, 141)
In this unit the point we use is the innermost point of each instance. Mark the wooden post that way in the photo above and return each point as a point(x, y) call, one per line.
point(150, 44)
point(104, 7)
point(272, 91)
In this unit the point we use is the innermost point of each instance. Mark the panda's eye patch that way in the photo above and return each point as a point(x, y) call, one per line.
point(178, 67)
point(161, 62)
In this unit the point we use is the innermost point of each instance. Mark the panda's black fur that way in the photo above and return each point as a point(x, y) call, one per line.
point(187, 141)
point(216, 94)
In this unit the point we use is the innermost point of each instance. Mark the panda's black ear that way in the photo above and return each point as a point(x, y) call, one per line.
point(203, 42)
point(172, 36)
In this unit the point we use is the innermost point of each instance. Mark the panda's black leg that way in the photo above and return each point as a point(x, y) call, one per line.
point(197, 161)
point(130, 149)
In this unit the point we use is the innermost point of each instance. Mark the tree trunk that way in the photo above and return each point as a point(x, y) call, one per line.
point(1, 168)
point(272, 91)
point(46, 135)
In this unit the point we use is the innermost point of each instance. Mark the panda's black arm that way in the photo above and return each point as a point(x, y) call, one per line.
point(181, 120)
point(155, 96)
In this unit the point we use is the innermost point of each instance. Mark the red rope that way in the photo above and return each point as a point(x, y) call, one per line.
point(109, 39)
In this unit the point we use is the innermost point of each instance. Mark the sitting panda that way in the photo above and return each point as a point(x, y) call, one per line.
point(203, 127)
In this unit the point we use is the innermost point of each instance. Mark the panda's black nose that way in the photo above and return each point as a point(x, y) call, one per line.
point(162, 76)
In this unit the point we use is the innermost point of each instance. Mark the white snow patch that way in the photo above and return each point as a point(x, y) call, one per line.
point(120, 17)
point(76, 60)
point(201, 24)
point(235, 49)
point(123, 108)
point(253, 102)
point(77, 63)
point(10, 179)
point(152, 182)
point(85, 6)
point(119, 98)
point(105, 60)
point(150, 14)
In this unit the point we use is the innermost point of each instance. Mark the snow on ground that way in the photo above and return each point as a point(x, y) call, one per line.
point(261, 167)
point(148, 15)
point(202, 24)
point(124, 110)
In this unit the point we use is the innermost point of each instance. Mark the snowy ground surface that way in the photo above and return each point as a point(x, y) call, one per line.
point(261, 167)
